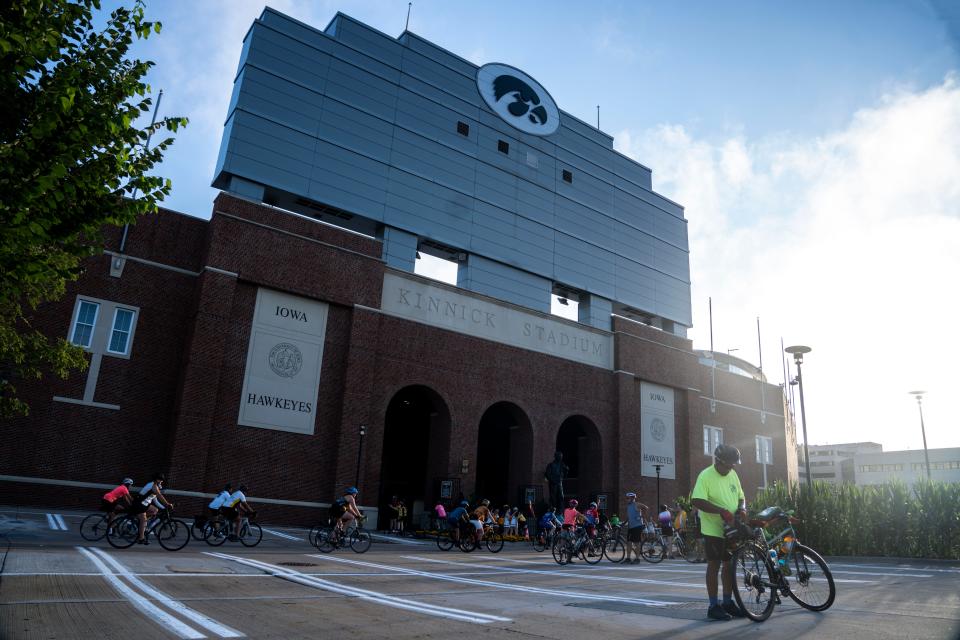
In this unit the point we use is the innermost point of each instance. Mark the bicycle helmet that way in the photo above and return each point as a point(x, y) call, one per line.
point(353, 491)
point(593, 504)
point(464, 503)
point(485, 502)
point(727, 454)
point(573, 503)
point(631, 494)
point(127, 481)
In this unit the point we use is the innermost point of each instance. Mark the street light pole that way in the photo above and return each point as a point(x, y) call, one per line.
point(797, 352)
point(923, 430)
point(658, 467)
point(363, 432)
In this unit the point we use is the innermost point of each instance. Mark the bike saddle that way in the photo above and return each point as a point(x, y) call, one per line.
point(770, 514)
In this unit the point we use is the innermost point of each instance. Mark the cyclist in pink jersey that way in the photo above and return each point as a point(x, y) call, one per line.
point(116, 499)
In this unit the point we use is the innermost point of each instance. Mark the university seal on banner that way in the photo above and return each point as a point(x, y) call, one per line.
point(286, 360)
point(657, 429)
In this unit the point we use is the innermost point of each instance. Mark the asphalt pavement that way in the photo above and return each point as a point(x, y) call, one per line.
point(54, 584)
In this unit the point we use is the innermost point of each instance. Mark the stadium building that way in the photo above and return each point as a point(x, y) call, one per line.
point(291, 343)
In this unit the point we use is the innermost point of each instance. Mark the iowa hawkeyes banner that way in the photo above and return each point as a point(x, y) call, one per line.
point(657, 431)
point(283, 363)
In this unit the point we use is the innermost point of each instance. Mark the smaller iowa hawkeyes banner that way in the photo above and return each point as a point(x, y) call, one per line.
point(283, 363)
point(657, 431)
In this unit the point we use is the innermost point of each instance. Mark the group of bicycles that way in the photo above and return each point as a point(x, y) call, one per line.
point(491, 537)
point(172, 533)
point(612, 545)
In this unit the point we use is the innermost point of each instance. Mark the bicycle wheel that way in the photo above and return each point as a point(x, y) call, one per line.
point(324, 540)
point(494, 541)
point(562, 553)
point(251, 534)
point(197, 528)
point(693, 549)
point(652, 550)
point(468, 542)
point(809, 578)
point(173, 534)
point(360, 541)
point(591, 551)
point(312, 536)
point(125, 532)
point(615, 549)
point(215, 535)
point(445, 541)
point(754, 581)
point(94, 527)
point(541, 541)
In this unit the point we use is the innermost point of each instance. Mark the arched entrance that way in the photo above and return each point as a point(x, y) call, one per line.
point(579, 441)
point(504, 454)
point(416, 446)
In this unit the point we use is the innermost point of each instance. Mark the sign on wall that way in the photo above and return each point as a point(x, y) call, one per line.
point(657, 429)
point(282, 377)
point(518, 99)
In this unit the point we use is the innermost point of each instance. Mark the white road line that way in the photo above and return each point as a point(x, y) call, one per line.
point(59, 519)
point(498, 585)
point(52, 523)
point(149, 609)
point(364, 594)
point(377, 536)
point(174, 605)
point(282, 535)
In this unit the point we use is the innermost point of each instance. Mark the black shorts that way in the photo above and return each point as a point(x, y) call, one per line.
point(716, 549)
point(635, 534)
point(229, 513)
point(107, 506)
point(137, 507)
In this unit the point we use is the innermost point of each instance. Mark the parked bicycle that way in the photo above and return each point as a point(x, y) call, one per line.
point(172, 533)
point(769, 565)
point(218, 531)
point(329, 538)
point(655, 547)
point(613, 543)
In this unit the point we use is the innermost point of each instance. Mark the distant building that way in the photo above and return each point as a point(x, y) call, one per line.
point(908, 466)
point(834, 463)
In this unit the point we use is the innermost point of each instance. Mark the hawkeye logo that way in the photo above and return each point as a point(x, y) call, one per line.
point(518, 99)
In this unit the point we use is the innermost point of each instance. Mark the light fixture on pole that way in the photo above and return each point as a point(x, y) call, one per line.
point(658, 467)
point(363, 432)
point(926, 456)
point(797, 352)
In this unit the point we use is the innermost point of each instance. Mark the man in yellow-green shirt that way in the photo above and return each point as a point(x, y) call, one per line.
point(718, 495)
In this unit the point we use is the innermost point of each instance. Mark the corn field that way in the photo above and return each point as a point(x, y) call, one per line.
point(890, 519)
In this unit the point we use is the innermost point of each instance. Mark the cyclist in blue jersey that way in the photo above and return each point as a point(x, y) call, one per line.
point(456, 518)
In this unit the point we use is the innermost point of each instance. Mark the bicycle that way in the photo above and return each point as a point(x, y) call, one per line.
point(613, 544)
point(329, 538)
point(545, 538)
point(172, 533)
point(94, 527)
point(446, 541)
point(566, 547)
point(656, 547)
point(490, 537)
point(770, 565)
point(216, 532)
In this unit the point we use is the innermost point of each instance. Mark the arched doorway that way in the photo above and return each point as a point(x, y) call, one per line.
point(416, 446)
point(579, 441)
point(504, 454)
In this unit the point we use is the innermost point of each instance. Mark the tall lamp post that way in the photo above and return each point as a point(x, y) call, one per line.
point(926, 456)
point(363, 432)
point(797, 352)
point(658, 467)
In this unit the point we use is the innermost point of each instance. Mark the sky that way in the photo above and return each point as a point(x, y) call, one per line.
point(814, 146)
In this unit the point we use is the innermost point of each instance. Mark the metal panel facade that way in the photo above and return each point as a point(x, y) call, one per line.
point(358, 120)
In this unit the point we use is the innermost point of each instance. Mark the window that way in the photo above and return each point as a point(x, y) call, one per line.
point(503, 146)
point(712, 437)
point(765, 450)
point(120, 333)
point(567, 176)
point(86, 320)
point(463, 128)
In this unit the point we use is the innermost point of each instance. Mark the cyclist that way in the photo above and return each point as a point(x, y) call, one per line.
point(717, 494)
point(110, 502)
point(234, 508)
point(479, 517)
point(548, 523)
point(148, 502)
point(350, 511)
point(592, 518)
point(457, 518)
point(213, 509)
point(635, 511)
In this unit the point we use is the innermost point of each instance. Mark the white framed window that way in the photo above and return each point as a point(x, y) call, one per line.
point(121, 330)
point(764, 446)
point(84, 322)
point(712, 438)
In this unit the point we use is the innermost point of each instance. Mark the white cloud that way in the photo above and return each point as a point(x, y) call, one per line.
point(849, 243)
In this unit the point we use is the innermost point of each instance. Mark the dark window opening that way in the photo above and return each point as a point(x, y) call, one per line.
point(463, 128)
point(567, 176)
point(503, 146)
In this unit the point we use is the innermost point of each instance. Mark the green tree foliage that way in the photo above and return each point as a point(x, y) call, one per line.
point(72, 160)
point(889, 519)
